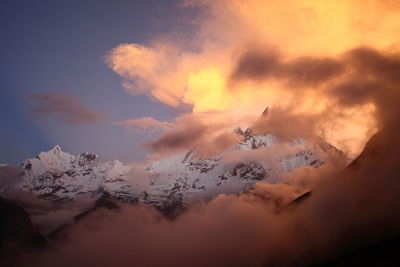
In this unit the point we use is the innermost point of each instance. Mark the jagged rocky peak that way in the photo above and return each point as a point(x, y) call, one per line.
point(248, 131)
point(56, 160)
point(246, 134)
point(55, 150)
point(265, 112)
point(59, 154)
point(253, 170)
point(238, 131)
point(87, 158)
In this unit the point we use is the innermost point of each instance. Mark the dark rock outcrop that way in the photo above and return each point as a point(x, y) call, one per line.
point(17, 233)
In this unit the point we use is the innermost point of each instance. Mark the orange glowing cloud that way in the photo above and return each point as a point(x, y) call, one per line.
point(174, 73)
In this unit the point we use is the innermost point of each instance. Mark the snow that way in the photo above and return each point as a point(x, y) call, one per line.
point(196, 175)
point(59, 176)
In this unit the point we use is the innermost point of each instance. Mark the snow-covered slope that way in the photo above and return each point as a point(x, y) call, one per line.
point(176, 180)
point(186, 177)
point(179, 179)
point(56, 175)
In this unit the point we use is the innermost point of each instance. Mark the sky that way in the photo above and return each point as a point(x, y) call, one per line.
point(138, 80)
point(58, 47)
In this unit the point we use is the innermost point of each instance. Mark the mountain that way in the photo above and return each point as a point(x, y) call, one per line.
point(17, 233)
point(61, 178)
point(58, 176)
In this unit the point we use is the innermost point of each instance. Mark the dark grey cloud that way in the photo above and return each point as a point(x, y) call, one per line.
point(266, 63)
point(257, 64)
point(191, 132)
point(63, 107)
point(385, 66)
point(188, 132)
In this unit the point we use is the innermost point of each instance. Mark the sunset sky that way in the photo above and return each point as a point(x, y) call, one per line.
point(120, 78)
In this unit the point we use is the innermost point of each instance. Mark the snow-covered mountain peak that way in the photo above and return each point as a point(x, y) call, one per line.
point(238, 131)
point(55, 150)
point(56, 175)
point(265, 112)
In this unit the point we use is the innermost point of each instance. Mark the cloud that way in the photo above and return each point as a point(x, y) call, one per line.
point(178, 140)
point(359, 71)
point(342, 213)
point(64, 107)
point(270, 47)
point(148, 70)
point(352, 89)
point(10, 176)
point(145, 125)
point(172, 71)
point(264, 63)
point(348, 207)
point(344, 93)
point(194, 131)
point(188, 132)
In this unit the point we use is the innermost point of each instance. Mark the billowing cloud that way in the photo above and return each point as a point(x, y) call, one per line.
point(64, 107)
point(192, 131)
point(274, 45)
point(250, 229)
point(354, 94)
point(187, 135)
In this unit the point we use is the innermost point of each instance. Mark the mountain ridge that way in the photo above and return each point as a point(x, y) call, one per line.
point(171, 183)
